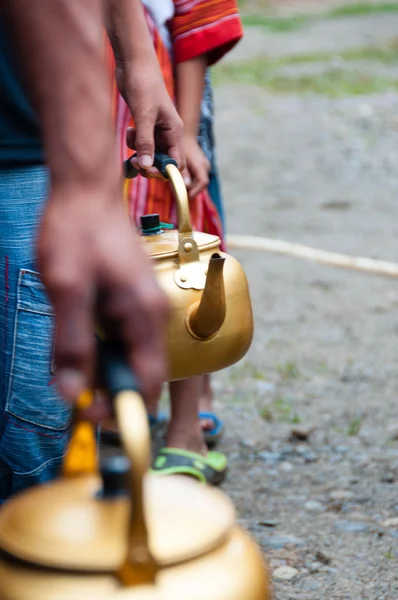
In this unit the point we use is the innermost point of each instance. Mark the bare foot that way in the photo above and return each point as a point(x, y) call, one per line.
point(187, 438)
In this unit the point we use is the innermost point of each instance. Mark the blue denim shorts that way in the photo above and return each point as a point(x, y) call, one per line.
point(207, 143)
point(34, 421)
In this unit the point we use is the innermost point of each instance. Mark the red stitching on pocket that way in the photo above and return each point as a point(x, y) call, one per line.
point(46, 435)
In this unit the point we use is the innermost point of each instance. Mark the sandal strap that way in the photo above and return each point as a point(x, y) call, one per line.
point(174, 461)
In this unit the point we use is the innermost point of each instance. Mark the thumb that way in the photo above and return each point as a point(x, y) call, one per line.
point(144, 141)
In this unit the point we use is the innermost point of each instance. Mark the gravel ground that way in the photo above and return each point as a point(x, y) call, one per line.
point(312, 425)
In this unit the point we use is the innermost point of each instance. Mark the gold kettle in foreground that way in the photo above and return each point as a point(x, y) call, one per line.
point(211, 322)
point(126, 534)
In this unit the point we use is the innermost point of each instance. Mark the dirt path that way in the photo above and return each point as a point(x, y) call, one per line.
point(324, 172)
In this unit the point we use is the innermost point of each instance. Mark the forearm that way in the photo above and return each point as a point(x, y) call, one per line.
point(190, 77)
point(61, 48)
point(131, 42)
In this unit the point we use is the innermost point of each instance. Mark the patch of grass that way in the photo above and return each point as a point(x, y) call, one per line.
point(282, 410)
point(354, 427)
point(266, 414)
point(386, 54)
point(259, 68)
point(283, 24)
point(333, 83)
point(339, 430)
point(322, 368)
point(338, 77)
point(295, 420)
point(363, 8)
point(288, 370)
point(274, 24)
point(246, 370)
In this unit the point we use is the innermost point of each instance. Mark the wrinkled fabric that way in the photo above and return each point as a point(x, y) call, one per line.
point(34, 421)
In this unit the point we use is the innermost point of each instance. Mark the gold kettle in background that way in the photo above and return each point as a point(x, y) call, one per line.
point(126, 534)
point(211, 322)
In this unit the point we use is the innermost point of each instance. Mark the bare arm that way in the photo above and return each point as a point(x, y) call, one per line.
point(61, 49)
point(141, 83)
point(90, 259)
point(190, 77)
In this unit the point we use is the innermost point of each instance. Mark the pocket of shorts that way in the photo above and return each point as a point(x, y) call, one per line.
point(32, 395)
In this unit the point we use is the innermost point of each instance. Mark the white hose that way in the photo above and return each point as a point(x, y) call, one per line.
point(357, 263)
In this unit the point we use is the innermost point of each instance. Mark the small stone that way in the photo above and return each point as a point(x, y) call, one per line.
point(335, 506)
point(310, 457)
point(342, 449)
point(351, 526)
point(314, 567)
point(269, 457)
point(388, 478)
point(286, 467)
point(392, 431)
point(365, 111)
point(323, 558)
point(277, 562)
point(302, 434)
point(329, 570)
point(313, 506)
point(341, 495)
point(393, 522)
point(247, 443)
point(264, 387)
point(276, 542)
point(267, 523)
point(314, 585)
point(287, 450)
point(285, 573)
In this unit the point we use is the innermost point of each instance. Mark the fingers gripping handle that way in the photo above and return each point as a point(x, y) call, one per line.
point(168, 168)
point(161, 161)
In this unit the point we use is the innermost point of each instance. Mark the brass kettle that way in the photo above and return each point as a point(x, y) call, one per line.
point(126, 534)
point(211, 322)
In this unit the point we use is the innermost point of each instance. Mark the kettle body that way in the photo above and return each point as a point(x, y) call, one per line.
point(233, 571)
point(228, 316)
point(126, 531)
point(211, 320)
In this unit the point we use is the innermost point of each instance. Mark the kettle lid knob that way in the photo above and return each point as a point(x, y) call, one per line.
point(150, 224)
point(115, 472)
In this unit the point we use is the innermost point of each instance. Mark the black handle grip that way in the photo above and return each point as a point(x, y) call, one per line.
point(115, 473)
point(129, 171)
point(160, 162)
point(114, 371)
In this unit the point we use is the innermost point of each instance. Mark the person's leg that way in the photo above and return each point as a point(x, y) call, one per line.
point(206, 401)
point(34, 421)
point(185, 430)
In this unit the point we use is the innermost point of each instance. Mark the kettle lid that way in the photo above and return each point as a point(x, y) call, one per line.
point(161, 241)
point(68, 525)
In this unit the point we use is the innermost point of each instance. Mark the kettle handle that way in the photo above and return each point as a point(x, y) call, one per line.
point(132, 420)
point(168, 168)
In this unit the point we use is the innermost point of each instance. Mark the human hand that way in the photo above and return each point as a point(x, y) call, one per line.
point(94, 267)
point(196, 174)
point(157, 123)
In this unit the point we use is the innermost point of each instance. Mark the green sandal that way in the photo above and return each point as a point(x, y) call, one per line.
point(210, 469)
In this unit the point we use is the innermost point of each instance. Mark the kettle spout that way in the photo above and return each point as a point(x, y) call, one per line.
point(206, 317)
